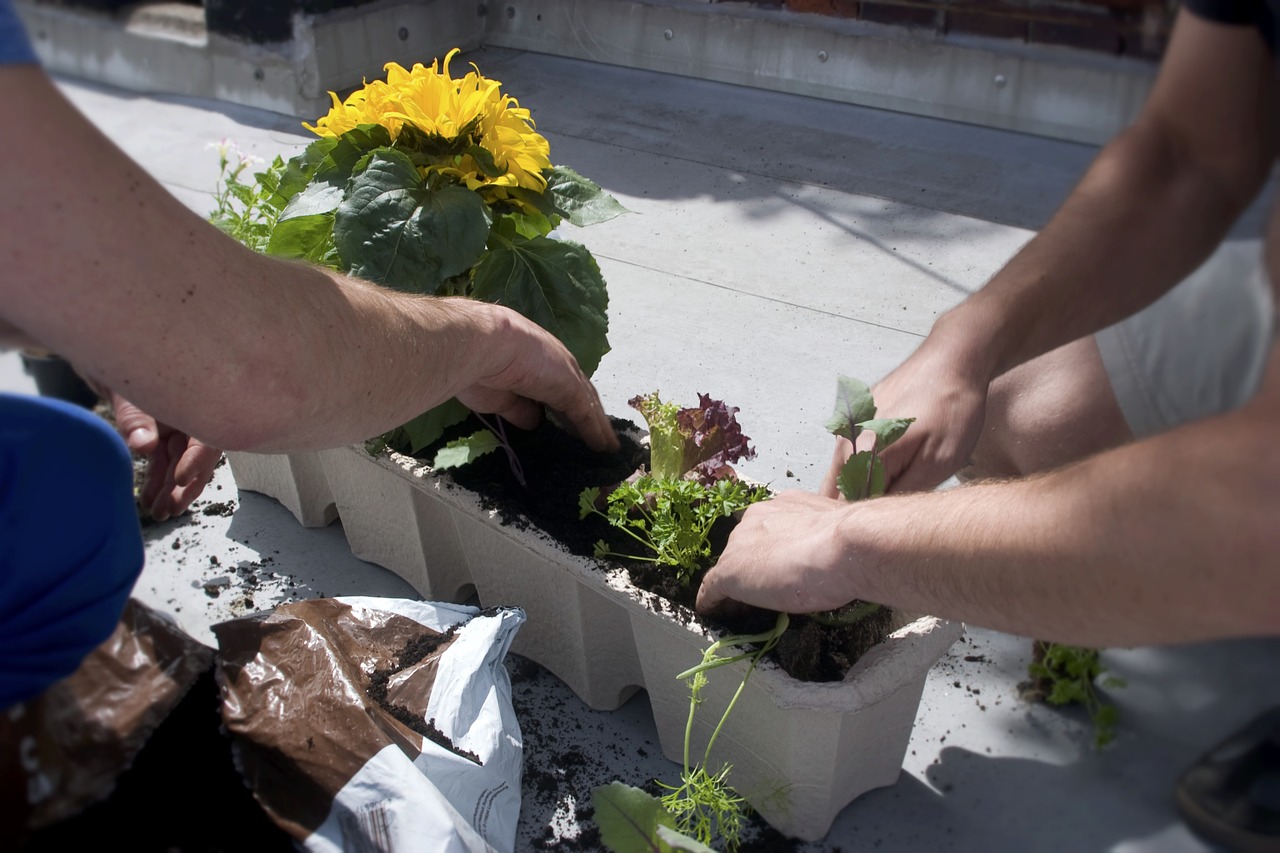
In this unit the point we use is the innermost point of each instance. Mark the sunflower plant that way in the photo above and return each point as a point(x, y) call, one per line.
point(433, 184)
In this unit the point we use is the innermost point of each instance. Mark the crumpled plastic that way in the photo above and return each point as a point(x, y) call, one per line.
point(377, 724)
point(64, 749)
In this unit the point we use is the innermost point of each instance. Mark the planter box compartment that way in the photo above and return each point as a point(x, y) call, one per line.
point(800, 751)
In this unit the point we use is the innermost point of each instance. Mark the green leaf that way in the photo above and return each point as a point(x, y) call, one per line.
point(679, 841)
point(580, 200)
point(530, 225)
point(556, 284)
point(305, 237)
point(484, 161)
point(329, 160)
point(854, 482)
point(587, 501)
point(629, 818)
point(853, 406)
point(396, 231)
point(319, 197)
point(427, 427)
point(887, 430)
point(344, 157)
point(460, 451)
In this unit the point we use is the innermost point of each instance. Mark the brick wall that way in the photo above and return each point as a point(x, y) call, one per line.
point(1137, 28)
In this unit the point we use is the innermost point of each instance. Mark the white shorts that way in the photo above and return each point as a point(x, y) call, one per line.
point(1198, 351)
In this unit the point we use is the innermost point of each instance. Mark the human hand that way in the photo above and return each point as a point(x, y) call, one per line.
point(783, 555)
point(539, 371)
point(179, 466)
point(949, 407)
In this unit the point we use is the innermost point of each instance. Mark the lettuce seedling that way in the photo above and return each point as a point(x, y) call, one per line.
point(699, 443)
point(690, 485)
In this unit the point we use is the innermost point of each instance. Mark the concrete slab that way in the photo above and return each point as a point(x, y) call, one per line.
point(789, 254)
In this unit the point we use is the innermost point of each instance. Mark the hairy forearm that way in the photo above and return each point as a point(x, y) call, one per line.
point(1167, 540)
point(107, 268)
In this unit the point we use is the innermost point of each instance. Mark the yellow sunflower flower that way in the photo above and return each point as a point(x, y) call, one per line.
point(470, 110)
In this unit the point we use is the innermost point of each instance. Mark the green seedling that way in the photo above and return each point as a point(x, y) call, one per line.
point(703, 807)
point(1071, 675)
point(863, 474)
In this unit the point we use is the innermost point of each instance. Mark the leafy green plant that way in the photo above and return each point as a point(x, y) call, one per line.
point(430, 184)
point(862, 475)
point(1070, 675)
point(670, 511)
point(672, 519)
point(243, 210)
point(460, 451)
point(855, 413)
point(690, 485)
point(703, 807)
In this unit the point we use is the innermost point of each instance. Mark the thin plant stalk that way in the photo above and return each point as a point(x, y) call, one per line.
point(498, 427)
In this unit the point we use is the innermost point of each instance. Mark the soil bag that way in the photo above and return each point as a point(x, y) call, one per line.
point(376, 724)
point(64, 750)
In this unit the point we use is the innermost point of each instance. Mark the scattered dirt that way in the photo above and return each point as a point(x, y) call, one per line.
point(558, 779)
point(414, 652)
point(557, 467)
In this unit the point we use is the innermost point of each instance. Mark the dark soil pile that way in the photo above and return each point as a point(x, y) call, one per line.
point(557, 467)
point(414, 651)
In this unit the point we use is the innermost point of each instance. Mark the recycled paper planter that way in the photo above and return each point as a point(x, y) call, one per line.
point(801, 751)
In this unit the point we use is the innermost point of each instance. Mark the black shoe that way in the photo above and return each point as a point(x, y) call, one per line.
point(1231, 796)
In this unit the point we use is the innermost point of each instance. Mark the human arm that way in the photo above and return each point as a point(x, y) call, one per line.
point(1150, 209)
point(243, 351)
point(1169, 539)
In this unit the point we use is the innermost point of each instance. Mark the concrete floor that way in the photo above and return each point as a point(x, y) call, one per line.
point(776, 241)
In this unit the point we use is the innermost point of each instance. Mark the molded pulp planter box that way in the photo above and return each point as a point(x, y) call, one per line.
point(800, 751)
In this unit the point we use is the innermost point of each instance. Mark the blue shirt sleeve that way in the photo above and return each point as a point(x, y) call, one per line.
point(15, 48)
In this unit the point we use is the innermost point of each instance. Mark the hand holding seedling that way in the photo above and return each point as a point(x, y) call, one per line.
point(784, 554)
point(948, 401)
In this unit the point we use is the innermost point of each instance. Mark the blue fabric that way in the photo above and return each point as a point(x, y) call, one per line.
point(70, 541)
point(14, 46)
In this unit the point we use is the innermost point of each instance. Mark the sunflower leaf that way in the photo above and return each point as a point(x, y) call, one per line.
point(578, 199)
point(556, 284)
point(394, 230)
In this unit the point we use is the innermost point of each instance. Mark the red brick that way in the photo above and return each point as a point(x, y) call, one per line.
point(902, 14)
point(1119, 5)
point(821, 7)
point(1104, 37)
point(846, 8)
point(995, 18)
point(986, 24)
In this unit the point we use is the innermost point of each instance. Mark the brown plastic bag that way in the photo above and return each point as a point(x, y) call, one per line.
point(64, 749)
point(376, 724)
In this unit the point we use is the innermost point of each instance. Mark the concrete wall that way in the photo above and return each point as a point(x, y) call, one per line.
point(987, 62)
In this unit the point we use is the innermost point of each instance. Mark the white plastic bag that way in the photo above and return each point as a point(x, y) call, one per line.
point(328, 708)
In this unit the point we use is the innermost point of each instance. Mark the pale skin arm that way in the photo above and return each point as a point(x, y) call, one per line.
point(1171, 539)
point(106, 268)
point(1150, 209)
